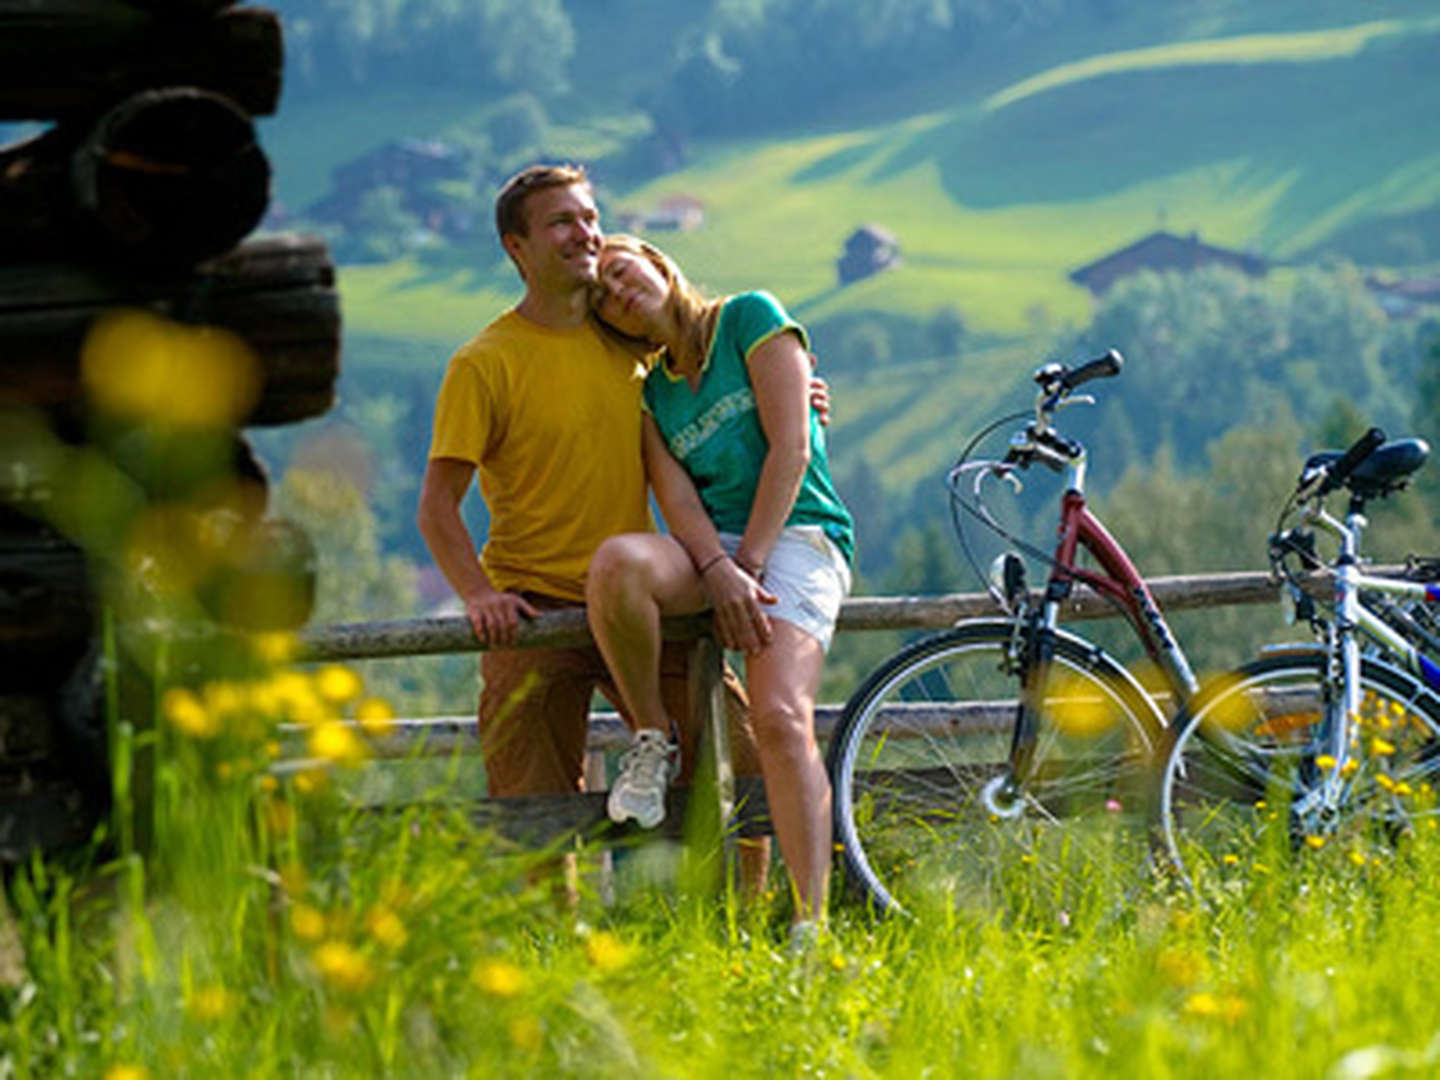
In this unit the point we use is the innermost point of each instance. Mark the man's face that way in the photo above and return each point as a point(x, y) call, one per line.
point(561, 251)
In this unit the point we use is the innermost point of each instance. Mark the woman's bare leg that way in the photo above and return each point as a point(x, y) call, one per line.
point(783, 680)
point(633, 580)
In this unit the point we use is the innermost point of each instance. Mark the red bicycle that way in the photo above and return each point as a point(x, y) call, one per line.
point(1009, 745)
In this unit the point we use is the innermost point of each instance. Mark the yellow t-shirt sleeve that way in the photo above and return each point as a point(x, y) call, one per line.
point(464, 413)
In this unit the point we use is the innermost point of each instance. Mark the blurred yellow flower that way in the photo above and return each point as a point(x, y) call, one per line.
point(1076, 708)
point(211, 1003)
point(1379, 747)
point(499, 978)
point(1325, 761)
point(1230, 859)
point(526, 1033)
point(837, 962)
point(127, 1072)
point(1349, 767)
point(185, 712)
point(269, 784)
point(311, 781)
point(1315, 842)
point(385, 926)
point(307, 923)
point(338, 684)
point(277, 647)
point(1384, 781)
point(139, 366)
point(376, 716)
point(342, 965)
point(1204, 1004)
point(606, 951)
point(1357, 858)
point(336, 741)
point(1180, 966)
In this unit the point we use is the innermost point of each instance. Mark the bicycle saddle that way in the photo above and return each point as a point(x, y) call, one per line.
point(1383, 471)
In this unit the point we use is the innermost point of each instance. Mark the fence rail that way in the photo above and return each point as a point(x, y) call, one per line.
point(546, 818)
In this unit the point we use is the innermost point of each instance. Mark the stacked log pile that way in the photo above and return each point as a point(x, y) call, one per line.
point(126, 286)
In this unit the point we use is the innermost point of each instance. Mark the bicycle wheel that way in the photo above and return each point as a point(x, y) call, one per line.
point(1249, 750)
point(924, 745)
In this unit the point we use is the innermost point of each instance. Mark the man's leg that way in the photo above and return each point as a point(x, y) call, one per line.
point(534, 719)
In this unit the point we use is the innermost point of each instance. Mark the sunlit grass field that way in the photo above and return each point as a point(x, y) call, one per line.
point(277, 931)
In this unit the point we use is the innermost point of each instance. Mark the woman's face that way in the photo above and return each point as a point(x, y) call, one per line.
point(632, 294)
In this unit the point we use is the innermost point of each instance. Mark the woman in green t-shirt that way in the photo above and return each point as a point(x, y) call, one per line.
point(736, 457)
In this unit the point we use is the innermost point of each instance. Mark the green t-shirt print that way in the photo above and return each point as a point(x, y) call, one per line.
point(714, 431)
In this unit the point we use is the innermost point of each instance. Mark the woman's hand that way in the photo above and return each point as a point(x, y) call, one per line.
point(739, 601)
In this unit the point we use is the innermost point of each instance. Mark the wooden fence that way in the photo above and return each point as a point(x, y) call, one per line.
point(545, 818)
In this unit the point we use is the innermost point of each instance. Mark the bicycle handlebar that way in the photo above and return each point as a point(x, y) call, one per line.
point(1338, 473)
point(1102, 367)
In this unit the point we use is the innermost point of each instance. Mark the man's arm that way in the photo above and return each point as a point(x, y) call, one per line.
point(494, 615)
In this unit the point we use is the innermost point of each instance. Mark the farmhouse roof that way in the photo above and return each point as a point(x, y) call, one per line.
point(1162, 251)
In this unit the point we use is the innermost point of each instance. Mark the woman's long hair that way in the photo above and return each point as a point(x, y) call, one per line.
point(695, 313)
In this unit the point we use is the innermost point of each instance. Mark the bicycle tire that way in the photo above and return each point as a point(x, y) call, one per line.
point(1242, 749)
point(922, 736)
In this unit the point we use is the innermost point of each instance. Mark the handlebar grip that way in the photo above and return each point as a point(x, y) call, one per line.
point(1363, 447)
point(1102, 367)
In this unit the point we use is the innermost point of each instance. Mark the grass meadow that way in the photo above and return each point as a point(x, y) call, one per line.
point(277, 930)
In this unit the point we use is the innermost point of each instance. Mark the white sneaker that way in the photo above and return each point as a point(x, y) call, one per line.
point(639, 790)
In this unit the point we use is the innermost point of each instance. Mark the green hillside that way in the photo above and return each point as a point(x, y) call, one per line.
point(1262, 141)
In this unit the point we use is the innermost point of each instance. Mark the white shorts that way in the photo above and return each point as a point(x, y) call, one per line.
point(808, 575)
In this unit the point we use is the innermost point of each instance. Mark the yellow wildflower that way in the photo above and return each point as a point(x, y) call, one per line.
point(1384, 781)
point(269, 784)
point(1325, 761)
point(211, 1003)
point(338, 684)
point(376, 716)
point(276, 647)
point(336, 741)
point(184, 711)
point(1315, 842)
point(1349, 767)
point(307, 923)
point(385, 926)
point(140, 366)
point(1204, 1004)
point(1379, 747)
point(1357, 858)
point(342, 965)
point(526, 1033)
point(127, 1072)
point(606, 951)
point(311, 781)
point(499, 978)
point(1230, 859)
point(1076, 709)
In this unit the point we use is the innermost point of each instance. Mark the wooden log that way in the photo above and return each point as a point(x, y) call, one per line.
point(165, 177)
point(277, 293)
point(421, 637)
point(68, 58)
point(47, 607)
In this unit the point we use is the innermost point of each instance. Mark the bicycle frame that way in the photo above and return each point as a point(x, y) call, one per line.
point(1354, 613)
point(1121, 582)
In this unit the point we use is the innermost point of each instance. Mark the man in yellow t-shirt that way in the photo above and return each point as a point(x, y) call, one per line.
point(547, 410)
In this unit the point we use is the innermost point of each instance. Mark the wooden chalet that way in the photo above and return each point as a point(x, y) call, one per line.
point(1160, 252)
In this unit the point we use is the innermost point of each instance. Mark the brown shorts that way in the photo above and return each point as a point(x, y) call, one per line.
point(535, 705)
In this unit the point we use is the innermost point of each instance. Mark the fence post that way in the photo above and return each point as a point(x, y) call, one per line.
point(712, 791)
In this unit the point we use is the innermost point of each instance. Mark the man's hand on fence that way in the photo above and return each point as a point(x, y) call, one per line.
point(739, 602)
point(495, 616)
